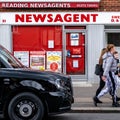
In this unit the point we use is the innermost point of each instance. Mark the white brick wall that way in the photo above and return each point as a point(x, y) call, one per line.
point(95, 44)
point(5, 36)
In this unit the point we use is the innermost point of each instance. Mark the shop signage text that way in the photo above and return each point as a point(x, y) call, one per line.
point(49, 0)
point(49, 5)
point(57, 18)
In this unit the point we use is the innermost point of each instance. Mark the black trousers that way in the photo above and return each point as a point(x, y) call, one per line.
point(101, 85)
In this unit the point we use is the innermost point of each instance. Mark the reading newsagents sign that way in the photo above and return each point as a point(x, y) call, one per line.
point(59, 18)
point(50, 0)
point(49, 3)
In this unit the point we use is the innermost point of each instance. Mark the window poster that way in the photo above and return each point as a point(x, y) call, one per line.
point(37, 60)
point(74, 42)
point(50, 43)
point(23, 57)
point(54, 61)
point(74, 37)
point(75, 64)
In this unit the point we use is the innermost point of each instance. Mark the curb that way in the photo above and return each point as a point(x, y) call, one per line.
point(81, 84)
point(95, 110)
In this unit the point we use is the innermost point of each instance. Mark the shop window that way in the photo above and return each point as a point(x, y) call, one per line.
point(114, 38)
point(112, 27)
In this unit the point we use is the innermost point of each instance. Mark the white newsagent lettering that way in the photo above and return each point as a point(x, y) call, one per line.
point(15, 5)
point(49, 5)
point(27, 18)
point(36, 5)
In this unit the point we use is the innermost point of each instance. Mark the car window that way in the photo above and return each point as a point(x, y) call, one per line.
point(9, 59)
point(2, 65)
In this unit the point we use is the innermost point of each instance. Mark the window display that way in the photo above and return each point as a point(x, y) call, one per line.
point(54, 61)
point(22, 56)
point(37, 60)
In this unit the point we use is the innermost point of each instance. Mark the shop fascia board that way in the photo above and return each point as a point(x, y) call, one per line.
point(50, 0)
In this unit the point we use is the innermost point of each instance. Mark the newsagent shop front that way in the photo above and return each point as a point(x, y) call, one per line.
point(68, 43)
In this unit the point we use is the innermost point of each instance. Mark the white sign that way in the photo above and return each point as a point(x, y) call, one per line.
point(23, 57)
point(50, 43)
point(57, 18)
point(74, 42)
point(75, 63)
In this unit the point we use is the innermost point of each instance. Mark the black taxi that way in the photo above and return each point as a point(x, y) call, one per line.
point(27, 94)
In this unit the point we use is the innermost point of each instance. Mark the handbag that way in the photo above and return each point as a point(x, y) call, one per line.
point(98, 69)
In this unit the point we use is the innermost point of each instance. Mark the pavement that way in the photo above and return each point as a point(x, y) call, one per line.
point(83, 99)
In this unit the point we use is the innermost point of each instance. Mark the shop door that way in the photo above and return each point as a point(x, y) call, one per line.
point(75, 53)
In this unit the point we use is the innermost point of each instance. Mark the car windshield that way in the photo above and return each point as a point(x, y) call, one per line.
point(10, 59)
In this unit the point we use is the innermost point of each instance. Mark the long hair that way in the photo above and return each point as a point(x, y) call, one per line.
point(103, 51)
point(109, 47)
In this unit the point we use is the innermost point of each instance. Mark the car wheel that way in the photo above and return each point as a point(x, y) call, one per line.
point(25, 106)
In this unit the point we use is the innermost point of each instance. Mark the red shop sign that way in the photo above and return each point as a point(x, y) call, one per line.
point(49, 4)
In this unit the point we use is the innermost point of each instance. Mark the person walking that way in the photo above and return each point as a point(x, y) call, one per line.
point(117, 73)
point(101, 82)
point(109, 70)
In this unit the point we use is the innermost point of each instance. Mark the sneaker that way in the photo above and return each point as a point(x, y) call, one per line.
point(96, 100)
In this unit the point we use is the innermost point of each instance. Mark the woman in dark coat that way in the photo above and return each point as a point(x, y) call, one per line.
point(101, 83)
